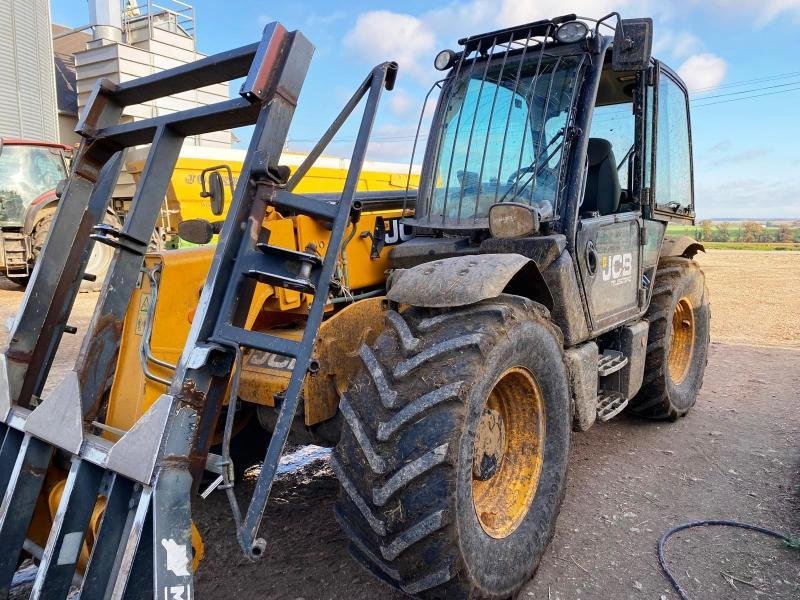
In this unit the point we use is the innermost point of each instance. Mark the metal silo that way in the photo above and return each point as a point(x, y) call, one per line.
point(27, 78)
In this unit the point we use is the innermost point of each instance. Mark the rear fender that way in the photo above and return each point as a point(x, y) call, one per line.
point(463, 280)
point(680, 246)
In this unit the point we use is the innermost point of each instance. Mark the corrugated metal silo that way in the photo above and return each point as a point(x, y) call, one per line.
point(27, 78)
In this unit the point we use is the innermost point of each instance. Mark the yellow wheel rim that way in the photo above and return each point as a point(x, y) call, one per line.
point(508, 453)
point(680, 353)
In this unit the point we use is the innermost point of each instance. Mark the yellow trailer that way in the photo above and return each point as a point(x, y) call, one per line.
point(184, 202)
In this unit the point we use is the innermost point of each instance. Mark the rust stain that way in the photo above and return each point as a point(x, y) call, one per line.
point(191, 395)
point(99, 361)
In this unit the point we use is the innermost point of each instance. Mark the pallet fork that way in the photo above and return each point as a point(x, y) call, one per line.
point(150, 473)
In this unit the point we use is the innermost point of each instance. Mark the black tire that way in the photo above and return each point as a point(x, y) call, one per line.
point(662, 395)
point(99, 260)
point(405, 457)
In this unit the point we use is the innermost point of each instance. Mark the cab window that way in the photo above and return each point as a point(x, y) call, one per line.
point(673, 184)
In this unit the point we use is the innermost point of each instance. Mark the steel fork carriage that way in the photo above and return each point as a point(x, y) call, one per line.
point(148, 475)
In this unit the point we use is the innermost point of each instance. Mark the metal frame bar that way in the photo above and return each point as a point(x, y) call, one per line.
point(147, 476)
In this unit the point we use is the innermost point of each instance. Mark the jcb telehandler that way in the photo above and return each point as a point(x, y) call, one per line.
point(538, 294)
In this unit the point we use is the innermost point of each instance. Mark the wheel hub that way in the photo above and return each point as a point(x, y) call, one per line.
point(490, 443)
point(681, 348)
point(508, 452)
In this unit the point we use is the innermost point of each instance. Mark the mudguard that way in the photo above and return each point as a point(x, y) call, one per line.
point(680, 246)
point(46, 200)
point(463, 280)
point(49, 200)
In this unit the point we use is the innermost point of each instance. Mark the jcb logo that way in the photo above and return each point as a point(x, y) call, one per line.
point(397, 232)
point(617, 268)
point(268, 360)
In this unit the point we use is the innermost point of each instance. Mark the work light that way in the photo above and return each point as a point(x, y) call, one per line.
point(573, 31)
point(445, 59)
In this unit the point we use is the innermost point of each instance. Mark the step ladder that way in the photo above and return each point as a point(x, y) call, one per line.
point(610, 403)
point(142, 548)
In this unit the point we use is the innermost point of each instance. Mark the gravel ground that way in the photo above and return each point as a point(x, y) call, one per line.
point(734, 457)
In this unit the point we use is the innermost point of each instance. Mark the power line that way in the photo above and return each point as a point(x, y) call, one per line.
point(748, 97)
point(748, 81)
point(757, 89)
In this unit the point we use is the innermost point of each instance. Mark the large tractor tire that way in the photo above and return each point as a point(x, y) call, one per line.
point(677, 345)
point(99, 260)
point(453, 455)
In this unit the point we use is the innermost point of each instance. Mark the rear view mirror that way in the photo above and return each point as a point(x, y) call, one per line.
point(216, 187)
point(60, 187)
point(216, 190)
point(633, 45)
point(196, 231)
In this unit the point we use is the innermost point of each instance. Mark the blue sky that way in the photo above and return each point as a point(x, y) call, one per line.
point(747, 155)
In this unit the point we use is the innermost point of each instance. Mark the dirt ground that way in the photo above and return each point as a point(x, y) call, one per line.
point(735, 456)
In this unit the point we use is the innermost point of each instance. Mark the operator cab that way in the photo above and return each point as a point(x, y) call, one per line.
point(553, 136)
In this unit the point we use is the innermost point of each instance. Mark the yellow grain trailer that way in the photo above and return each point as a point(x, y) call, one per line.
point(184, 200)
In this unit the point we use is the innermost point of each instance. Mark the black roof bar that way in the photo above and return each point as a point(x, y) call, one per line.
point(484, 41)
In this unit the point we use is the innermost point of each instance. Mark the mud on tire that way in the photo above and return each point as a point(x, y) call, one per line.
point(405, 458)
point(679, 288)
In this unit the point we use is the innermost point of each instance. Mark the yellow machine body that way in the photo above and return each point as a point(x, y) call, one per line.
point(182, 274)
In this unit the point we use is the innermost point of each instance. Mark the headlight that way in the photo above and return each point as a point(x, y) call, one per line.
point(510, 220)
point(445, 59)
point(571, 32)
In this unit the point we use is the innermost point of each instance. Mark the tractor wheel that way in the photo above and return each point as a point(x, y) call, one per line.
point(677, 345)
point(99, 259)
point(453, 458)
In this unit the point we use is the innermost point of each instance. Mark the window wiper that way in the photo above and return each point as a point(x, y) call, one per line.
point(535, 172)
point(626, 157)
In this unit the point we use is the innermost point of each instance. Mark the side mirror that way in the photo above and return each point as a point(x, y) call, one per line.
point(633, 45)
point(198, 231)
point(60, 186)
point(216, 187)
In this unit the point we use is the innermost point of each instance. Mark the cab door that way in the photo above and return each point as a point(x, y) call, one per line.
point(610, 226)
point(610, 262)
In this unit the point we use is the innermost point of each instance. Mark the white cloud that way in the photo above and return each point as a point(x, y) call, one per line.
point(676, 44)
point(401, 103)
point(413, 40)
point(385, 35)
point(765, 11)
point(703, 71)
point(746, 198)
point(514, 12)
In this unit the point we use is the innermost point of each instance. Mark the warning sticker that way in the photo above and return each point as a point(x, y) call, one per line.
point(141, 316)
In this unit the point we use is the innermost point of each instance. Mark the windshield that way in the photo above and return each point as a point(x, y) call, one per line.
point(26, 172)
point(502, 138)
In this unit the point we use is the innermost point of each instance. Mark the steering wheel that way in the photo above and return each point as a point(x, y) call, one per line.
point(518, 173)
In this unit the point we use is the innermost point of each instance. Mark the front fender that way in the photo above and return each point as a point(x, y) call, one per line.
point(463, 280)
point(48, 200)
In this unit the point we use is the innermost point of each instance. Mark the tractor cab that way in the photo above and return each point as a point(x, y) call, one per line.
point(554, 135)
point(28, 171)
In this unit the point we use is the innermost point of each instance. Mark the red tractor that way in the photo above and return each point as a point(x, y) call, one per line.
point(30, 172)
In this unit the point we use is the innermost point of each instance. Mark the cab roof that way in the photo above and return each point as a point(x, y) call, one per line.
point(24, 142)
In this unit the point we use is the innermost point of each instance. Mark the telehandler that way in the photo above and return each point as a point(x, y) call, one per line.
point(444, 340)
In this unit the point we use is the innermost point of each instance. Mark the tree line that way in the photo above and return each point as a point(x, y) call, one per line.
point(748, 232)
